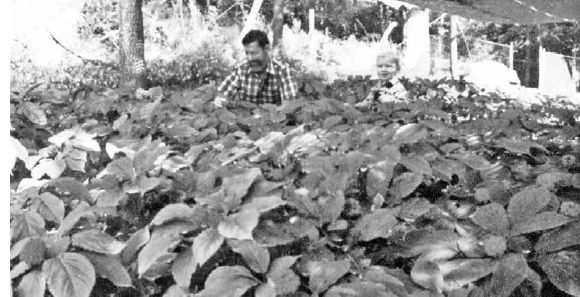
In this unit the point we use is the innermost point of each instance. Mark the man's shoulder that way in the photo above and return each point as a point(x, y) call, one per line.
point(279, 66)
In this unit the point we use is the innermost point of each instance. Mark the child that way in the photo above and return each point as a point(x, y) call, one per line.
point(389, 87)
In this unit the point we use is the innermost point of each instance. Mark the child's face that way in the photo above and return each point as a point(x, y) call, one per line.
point(387, 67)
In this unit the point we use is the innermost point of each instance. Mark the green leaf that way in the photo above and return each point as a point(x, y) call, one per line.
point(176, 291)
point(183, 267)
point(97, 241)
point(122, 168)
point(458, 273)
point(406, 183)
point(16, 249)
point(563, 270)
point(206, 244)
point(158, 250)
point(239, 225)
point(379, 177)
point(74, 188)
point(409, 133)
point(542, 221)
point(551, 180)
point(171, 213)
point(145, 184)
point(256, 256)
point(492, 217)
point(111, 198)
point(378, 224)
point(33, 252)
point(431, 245)
point(472, 160)
point(445, 168)
point(558, 239)
point(109, 268)
point(145, 158)
point(228, 281)
point(19, 269)
point(427, 274)
point(414, 208)
point(56, 245)
point(510, 273)
point(33, 284)
point(417, 164)
point(329, 206)
point(82, 210)
point(85, 141)
point(264, 203)
point(52, 168)
point(34, 113)
point(394, 280)
point(359, 289)
point(284, 279)
point(237, 186)
point(526, 203)
point(135, 242)
point(267, 289)
point(325, 273)
point(69, 275)
point(50, 207)
point(26, 224)
point(268, 233)
point(518, 146)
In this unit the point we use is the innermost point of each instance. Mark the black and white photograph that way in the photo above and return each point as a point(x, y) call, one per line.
point(294, 148)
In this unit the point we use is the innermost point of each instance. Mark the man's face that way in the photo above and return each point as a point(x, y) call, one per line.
point(257, 56)
point(387, 67)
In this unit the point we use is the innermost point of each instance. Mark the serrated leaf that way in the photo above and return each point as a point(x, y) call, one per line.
point(458, 273)
point(183, 267)
point(52, 168)
point(256, 256)
point(68, 275)
point(72, 188)
point(34, 113)
point(510, 273)
point(69, 222)
point(172, 212)
point(206, 244)
point(492, 217)
point(526, 203)
point(416, 164)
point(33, 252)
point(284, 279)
point(409, 133)
point(542, 221)
point(16, 248)
point(33, 284)
point(109, 268)
point(50, 207)
point(406, 183)
point(135, 242)
point(237, 187)
point(122, 167)
point(97, 241)
point(378, 224)
point(558, 239)
point(157, 251)
point(323, 274)
point(26, 224)
point(176, 291)
point(231, 281)
point(239, 225)
point(359, 289)
point(563, 270)
point(264, 203)
point(19, 269)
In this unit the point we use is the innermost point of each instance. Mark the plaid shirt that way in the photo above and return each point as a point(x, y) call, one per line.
point(388, 91)
point(272, 86)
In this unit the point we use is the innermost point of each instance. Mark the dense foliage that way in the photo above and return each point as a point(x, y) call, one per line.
point(157, 193)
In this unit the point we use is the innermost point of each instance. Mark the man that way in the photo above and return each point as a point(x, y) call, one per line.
point(389, 87)
point(260, 79)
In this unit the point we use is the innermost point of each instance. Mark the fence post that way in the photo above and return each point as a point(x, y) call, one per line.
point(311, 31)
point(541, 52)
point(453, 45)
point(511, 56)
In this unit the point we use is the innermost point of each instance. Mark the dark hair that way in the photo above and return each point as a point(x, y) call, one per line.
point(256, 35)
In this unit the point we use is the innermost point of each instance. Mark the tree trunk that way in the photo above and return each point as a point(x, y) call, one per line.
point(251, 20)
point(131, 43)
point(277, 23)
point(453, 36)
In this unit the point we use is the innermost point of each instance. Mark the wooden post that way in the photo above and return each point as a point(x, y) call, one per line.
point(541, 76)
point(311, 46)
point(527, 74)
point(453, 46)
point(511, 56)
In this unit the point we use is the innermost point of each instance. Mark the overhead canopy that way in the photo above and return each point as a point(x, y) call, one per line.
point(504, 11)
